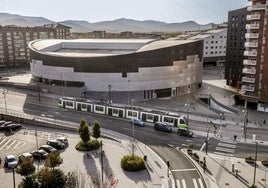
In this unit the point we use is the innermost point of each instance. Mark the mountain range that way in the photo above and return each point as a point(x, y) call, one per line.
point(115, 26)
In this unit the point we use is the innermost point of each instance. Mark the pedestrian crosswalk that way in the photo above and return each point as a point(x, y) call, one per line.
point(10, 144)
point(226, 147)
point(198, 183)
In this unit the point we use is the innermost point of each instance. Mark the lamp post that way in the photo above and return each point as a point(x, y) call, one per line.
point(245, 121)
point(13, 171)
point(208, 103)
point(132, 100)
point(128, 91)
point(255, 165)
point(38, 87)
point(5, 93)
point(101, 163)
point(110, 86)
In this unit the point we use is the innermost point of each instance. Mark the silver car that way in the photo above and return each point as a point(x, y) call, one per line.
point(11, 161)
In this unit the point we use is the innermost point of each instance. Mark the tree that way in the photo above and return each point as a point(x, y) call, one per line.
point(83, 130)
point(26, 167)
point(53, 160)
point(52, 178)
point(96, 129)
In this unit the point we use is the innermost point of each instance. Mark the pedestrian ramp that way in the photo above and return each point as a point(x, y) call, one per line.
point(226, 147)
point(195, 183)
point(10, 144)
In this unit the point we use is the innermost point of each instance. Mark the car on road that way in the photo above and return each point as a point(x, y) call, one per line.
point(56, 144)
point(25, 156)
point(39, 154)
point(64, 140)
point(13, 127)
point(162, 126)
point(137, 122)
point(185, 132)
point(11, 161)
point(48, 148)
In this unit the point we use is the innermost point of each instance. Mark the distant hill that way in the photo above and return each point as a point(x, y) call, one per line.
point(117, 25)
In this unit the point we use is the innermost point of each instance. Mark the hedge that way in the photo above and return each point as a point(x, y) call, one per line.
point(132, 163)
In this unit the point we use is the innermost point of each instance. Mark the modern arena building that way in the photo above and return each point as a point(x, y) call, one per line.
point(118, 69)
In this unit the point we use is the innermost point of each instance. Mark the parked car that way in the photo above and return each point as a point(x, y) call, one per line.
point(137, 122)
point(13, 127)
point(185, 132)
point(48, 148)
point(64, 140)
point(39, 154)
point(4, 125)
point(25, 156)
point(56, 144)
point(2, 122)
point(162, 126)
point(11, 161)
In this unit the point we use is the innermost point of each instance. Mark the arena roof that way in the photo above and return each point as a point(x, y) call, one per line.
point(100, 47)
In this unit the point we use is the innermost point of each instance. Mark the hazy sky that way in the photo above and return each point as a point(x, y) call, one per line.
point(201, 11)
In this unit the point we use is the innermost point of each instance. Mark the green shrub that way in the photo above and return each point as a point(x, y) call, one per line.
point(132, 163)
point(190, 146)
point(88, 146)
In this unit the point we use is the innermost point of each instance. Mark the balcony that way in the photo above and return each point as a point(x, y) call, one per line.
point(250, 53)
point(253, 17)
point(247, 88)
point(256, 7)
point(251, 44)
point(252, 26)
point(249, 62)
point(252, 35)
point(248, 79)
point(249, 71)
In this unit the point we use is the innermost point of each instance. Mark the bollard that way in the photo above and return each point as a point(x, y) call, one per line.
point(232, 167)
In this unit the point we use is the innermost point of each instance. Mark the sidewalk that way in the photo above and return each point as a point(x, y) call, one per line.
point(219, 171)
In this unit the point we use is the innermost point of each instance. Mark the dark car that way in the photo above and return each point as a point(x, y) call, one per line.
point(39, 154)
point(162, 126)
point(56, 144)
point(4, 125)
point(137, 122)
point(2, 122)
point(48, 148)
point(185, 132)
point(13, 127)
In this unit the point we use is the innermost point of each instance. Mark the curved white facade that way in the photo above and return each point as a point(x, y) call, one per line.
point(142, 68)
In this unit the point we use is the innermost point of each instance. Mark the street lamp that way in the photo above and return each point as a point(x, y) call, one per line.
point(38, 87)
point(255, 165)
point(5, 93)
point(128, 91)
point(132, 100)
point(208, 103)
point(13, 171)
point(110, 86)
point(245, 120)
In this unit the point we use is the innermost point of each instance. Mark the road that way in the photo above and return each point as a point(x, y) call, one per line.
point(164, 144)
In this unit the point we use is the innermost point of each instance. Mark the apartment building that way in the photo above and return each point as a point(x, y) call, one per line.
point(236, 30)
point(14, 41)
point(255, 69)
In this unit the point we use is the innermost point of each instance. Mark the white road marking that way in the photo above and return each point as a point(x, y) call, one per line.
point(5, 144)
point(183, 183)
point(181, 170)
point(225, 150)
point(14, 141)
point(178, 184)
point(225, 154)
point(195, 183)
point(2, 141)
point(227, 145)
point(228, 141)
point(200, 183)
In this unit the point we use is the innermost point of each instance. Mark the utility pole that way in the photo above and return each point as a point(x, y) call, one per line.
point(38, 87)
point(101, 164)
point(132, 129)
point(110, 86)
point(245, 120)
point(255, 165)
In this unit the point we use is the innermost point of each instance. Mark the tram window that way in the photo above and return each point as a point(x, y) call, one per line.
point(99, 108)
point(132, 114)
point(182, 121)
point(168, 119)
point(69, 104)
point(84, 106)
point(115, 111)
point(150, 117)
point(135, 114)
